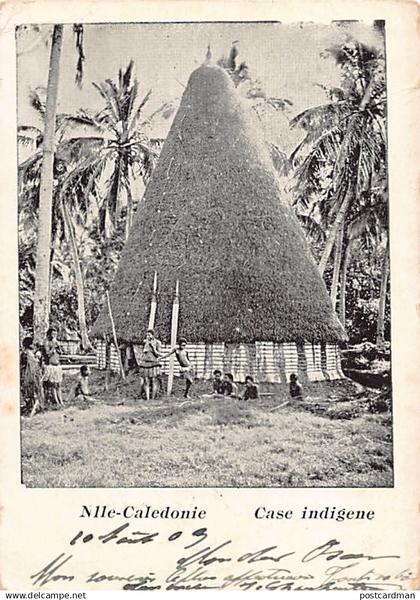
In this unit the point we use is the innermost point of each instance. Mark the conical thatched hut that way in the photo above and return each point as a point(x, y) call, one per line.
point(251, 297)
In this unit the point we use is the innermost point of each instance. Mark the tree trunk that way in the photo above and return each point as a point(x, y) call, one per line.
point(54, 247)
point(380, 328)
point(42, 272)
point(129, 217)
point(346, 263)
point(86, 345)
point(337, 265)
point(116, 192)
point(52, 256)
point(333, 232)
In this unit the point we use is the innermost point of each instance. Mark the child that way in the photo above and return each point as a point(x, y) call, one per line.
point(218, 385)
point(52, 373)
point(186, 367)
point(295, 389)
point(81, 390)
point(229, 387)
point(251, 389)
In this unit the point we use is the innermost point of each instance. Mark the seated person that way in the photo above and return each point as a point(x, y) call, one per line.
point(295, 389)
point(218, 384)
point(81, 389)
point(229, 387)
point(251, 389)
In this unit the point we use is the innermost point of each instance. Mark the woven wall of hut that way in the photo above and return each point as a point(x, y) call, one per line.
point(265, 361)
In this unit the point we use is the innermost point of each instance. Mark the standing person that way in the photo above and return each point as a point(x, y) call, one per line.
point(251, 389)
point(229, 386)
point(186, 367)
point(52, 376)
point(30, 365)
point(295, 389)
point(149, 365)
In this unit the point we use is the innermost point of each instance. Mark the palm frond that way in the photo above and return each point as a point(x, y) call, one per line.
point(30, 129)
point(110, 102)
point(126, 80)
point(313, 228)
point(323, 114)
point(96, 173)
point(81, 118)
point(113, 97)
point(132, 97)
point(280, 160)
point(279, 103)
point(166, 109)
point(322, 146)
point(139, 110)
point(36, 102)
point(25, 166)
point(25, 140)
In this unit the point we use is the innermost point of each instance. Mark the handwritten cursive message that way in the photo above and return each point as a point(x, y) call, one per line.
point(199, 564)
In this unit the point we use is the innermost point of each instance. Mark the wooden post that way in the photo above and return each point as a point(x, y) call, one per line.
point(174, 330)
point(153, 304)
point(114, 335)
point(107, 364)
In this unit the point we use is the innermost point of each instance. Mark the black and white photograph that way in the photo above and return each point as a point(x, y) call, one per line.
point(203, 255)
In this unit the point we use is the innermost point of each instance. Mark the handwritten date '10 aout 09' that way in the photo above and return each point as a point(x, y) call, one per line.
point(136, 537)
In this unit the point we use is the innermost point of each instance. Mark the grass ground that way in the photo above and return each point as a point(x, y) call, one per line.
point(121, 441)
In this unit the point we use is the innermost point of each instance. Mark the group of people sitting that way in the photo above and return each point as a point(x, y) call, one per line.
point(225, 386)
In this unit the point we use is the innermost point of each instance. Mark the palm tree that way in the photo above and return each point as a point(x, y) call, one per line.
point(347, 135)
point(123, 149)
point(42, 276)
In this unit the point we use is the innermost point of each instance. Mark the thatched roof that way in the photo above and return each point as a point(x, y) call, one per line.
point(212, 216)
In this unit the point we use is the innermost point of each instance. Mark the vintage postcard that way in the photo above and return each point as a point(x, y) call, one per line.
point(209, 302)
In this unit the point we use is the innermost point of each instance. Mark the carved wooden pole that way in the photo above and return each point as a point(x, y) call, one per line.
point(153, 304)
point(114, 335)
point(174, 330)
